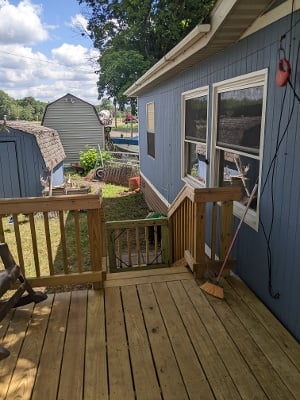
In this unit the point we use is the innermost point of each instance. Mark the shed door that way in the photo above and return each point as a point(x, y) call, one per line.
point(9, 171)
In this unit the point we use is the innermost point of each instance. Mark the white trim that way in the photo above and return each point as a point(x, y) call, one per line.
point(159, 195)
point(191, 94)
point(244, 81)
point(272, 16)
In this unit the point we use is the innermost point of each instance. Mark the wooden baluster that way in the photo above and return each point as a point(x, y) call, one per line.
point(34, 245)
point(77, 238)
point(48, 242)
point(213, 239)
point(19, 243)
point(128, 234)
point(138, 250)
point(63, 241)
point(147, 244)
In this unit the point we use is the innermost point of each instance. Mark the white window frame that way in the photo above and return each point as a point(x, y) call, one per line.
point(150, 126)
point(199, 92)
point(257, 78)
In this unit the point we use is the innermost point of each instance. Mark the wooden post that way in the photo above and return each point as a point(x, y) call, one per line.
point(199, 238)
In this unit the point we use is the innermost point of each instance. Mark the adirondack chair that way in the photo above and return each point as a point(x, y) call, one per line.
point(9, 277)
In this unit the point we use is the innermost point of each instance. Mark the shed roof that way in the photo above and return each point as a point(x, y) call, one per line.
point(229, 19)
point(47, 139)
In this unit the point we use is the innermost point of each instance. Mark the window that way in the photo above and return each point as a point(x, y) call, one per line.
point(194, 152)
point(150, 130)
point(237, 137)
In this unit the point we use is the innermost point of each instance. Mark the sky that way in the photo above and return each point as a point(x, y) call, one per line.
point(43, 53)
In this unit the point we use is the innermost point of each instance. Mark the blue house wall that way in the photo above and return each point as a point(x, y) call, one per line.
point(253, 53)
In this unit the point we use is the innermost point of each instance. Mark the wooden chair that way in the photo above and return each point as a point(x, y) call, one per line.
point(10, 276)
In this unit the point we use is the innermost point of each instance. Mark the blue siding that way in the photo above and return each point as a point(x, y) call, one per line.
point(253, 53)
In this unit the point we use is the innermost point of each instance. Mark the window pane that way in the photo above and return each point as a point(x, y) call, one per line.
point(239, 170)
point(151, 144)
point(239, 119)
point(196, 165)
point(196, 118)
point(150, 117)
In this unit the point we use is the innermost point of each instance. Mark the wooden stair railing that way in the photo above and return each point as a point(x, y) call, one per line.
point(201, 226)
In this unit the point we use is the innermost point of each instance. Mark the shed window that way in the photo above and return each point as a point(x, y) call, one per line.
point(150, 129)
point(237, 136)
point(194, 149)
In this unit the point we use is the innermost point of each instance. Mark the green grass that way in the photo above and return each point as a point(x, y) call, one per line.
point(120, 204)
point(125, 128)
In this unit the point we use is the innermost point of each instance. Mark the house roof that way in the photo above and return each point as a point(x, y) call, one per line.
point(229, 19)
point(47, 139)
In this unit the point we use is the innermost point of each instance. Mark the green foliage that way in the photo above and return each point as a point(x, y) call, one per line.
point(28, 108)
point(134, 34)
point(88, 159)
point(106, 157)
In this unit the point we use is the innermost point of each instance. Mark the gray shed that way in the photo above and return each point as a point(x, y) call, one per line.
point(77, 123)
point(28, 152)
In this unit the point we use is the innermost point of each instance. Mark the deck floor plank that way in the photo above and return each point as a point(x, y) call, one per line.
point(232, 358)
point(190, 367)
point(171, 383)
point(95, 381)
point(13, 341)
point(141, 358)
point(48, 374)
point(284, 340)
point(119, 368)
point(218, 376)
point(149, 336)
point(276, 356)
point(260, 366)
point(72, 370)
point(24, 374)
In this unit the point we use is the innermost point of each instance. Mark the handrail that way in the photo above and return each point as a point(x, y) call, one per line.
point(73, 213)
point(195, 215)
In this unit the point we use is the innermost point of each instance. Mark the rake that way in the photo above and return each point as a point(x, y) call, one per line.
point(214, 288)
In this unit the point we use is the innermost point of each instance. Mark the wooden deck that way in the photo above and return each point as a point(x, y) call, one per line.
point(148, 335)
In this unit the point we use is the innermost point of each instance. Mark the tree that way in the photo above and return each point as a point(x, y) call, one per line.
point(134, 34)
point(27, 108)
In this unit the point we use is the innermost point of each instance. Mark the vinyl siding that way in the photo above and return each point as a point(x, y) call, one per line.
point(78, 126)
point(253, 53)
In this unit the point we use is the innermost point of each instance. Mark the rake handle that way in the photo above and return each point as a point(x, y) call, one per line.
point(237, 231)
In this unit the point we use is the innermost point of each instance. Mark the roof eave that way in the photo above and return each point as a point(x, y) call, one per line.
point(228, 21)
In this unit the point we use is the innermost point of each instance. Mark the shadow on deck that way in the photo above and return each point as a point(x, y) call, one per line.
point(148, 335)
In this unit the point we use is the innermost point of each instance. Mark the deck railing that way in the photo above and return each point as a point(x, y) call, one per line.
point(138, 244)
point(66, 231)
point(69, 234)
point(201, 226)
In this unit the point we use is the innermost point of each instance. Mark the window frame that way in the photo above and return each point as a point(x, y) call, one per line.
point(150, 129)
point(253, 79)
point(191, 94)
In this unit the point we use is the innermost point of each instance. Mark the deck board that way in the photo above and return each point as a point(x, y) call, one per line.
point(149, 335)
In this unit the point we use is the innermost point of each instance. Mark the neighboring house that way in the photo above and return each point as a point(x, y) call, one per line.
point(77, 123)
point(211, 114)
point(28, 153)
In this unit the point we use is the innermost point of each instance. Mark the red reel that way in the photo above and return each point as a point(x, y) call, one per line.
point(283, 73)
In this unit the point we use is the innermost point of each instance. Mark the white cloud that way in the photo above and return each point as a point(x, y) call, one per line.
point(79, 22)
point(21, 24)
point(27, 72)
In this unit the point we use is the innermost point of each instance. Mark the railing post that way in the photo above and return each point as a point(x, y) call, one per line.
point(95, 232)
point(199, 238)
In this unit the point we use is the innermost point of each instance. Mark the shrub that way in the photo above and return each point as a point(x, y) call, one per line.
point(89, 159)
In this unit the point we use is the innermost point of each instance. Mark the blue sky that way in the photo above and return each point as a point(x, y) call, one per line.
point(42, 51)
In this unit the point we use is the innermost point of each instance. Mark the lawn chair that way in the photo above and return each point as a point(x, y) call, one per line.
point(8, 278)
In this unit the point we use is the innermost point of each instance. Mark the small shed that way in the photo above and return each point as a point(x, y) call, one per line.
point(28, 152)
point(77, 123)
